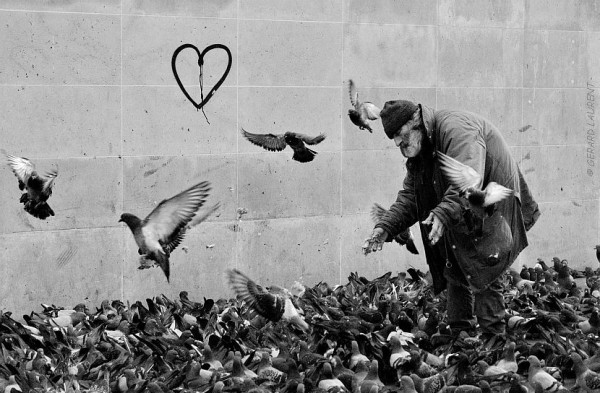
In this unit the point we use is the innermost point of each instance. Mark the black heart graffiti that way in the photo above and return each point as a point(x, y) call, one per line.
point(203, 100)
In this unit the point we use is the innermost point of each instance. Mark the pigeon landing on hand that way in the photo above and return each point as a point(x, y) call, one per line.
point(363, 112)
point(273, 305)
point(278, 142)
point(468, 181)
point(164, 228)
point(404, 238)
point(37, 188)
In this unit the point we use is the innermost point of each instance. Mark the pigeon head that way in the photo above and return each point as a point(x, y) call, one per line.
point(131, 220)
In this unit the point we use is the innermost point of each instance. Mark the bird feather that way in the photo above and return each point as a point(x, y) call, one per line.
point(270, 142)
point(459, 175)
point(172, 214)
point(21, 167)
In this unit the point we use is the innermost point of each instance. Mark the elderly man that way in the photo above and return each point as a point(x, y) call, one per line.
point(467, 252)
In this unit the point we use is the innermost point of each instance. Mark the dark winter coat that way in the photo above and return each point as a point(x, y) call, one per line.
point(476, 142)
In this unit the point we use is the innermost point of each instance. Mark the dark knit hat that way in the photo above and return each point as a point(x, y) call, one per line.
point(395, 114)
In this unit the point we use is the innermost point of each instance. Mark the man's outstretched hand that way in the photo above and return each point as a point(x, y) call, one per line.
point(375, 242)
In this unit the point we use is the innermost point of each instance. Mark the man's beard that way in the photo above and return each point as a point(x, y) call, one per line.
point(413, 149)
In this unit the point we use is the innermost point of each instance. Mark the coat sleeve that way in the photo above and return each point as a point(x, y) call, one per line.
point(403, 213)
point(463, 140)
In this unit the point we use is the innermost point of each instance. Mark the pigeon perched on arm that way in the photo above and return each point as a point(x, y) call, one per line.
point(164, 228)
point(363, 112)
point(278, 142)
point(273, 305)
point(468, 182)
point(404, 238)
point(37, 188)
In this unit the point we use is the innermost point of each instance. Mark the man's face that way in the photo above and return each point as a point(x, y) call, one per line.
point(409, 140)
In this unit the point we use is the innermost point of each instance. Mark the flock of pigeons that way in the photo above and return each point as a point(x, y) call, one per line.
point(367, 336)
point(388, 334)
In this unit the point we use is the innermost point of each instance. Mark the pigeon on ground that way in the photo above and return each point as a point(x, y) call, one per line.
point(404, 238)
point(468, 182)
point(278, 142)
point(587, 380)
point(273, 305)
point(508, 361)
point(537, 375)
point(165, 227)
point(363, 112)
point(38, 188)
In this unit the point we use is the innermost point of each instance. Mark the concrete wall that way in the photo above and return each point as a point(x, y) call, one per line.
point(88, 86)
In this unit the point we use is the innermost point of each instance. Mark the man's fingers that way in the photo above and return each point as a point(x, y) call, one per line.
point(428, 220)
point(366, 246)
point(372, 244)
point(436, 233)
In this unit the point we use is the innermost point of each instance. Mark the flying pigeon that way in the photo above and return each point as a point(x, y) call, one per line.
point(165, 227)
point(363, 112)
point(278, 142)
point(273, 304)
point(468, 182)
point(37, 188)
point(404, 238)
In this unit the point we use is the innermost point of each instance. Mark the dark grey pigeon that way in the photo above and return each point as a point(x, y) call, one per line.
point(363, 112)
point(165, 227)
point(37, 188)
point(278, 142)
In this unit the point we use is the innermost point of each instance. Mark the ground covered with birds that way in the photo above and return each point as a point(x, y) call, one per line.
point(367, 335)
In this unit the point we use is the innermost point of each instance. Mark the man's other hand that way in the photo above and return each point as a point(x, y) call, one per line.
point(375, 242)
point(437, 228)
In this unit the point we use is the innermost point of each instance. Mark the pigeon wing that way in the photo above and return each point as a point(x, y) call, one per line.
point(269, 142)
point(458, 174)
point(307, 139)
point(266, 304)
point(21, 167)
point(174, 240)
point(370, 111)
point(168, 220)
point(495, 192)
point(201, 217)
point(353, 93)
point(49, 181)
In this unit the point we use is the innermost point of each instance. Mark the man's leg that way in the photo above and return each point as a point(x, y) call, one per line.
point(459, 300)
point(460, 307)
point(490, 310)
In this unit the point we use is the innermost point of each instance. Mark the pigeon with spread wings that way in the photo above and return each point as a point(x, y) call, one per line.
point(468, 182)
point(363, 112)
point(278, 142)
point(404, 238)
point(165, 227)
point(275, 304)
point(37, 188)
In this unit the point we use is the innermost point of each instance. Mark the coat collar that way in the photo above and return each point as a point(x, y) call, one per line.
point(428, 119)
